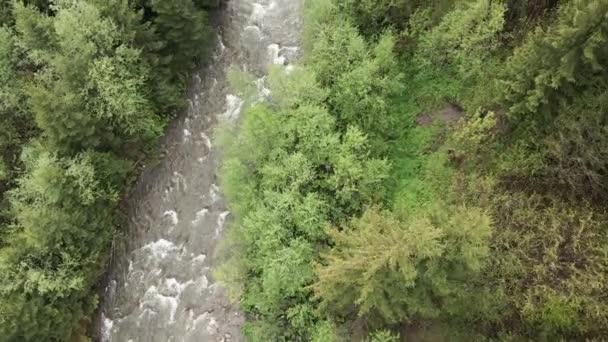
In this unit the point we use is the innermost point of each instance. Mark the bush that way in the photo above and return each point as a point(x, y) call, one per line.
point(399, 271)
point(287, 173)
point(549, 259)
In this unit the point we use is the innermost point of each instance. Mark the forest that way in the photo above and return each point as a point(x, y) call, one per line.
point(87, 87)
point(431, 171)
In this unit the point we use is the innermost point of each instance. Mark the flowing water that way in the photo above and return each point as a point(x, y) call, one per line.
point(160, 287)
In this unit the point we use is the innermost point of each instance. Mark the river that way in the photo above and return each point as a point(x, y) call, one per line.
point(160, 284)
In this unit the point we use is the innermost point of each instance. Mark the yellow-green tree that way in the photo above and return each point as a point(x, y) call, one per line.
point(401, 270)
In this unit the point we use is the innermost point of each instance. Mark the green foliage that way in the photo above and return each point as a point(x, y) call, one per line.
point(465, 37)
point(36, 32)
point(520, 13)
point(6, 15)
point(10, 99)
point(363, 95)
point(64, 219)
point(338, 47)
point(318, 15)
point(87, 74)
point(181, 40)
point(372, 16)
point(552, 64)
point(302, 162)
point(363, 79)
point(550, 261)
point(324, 331)
point(526, 160)
point(289, 172)
point(90, 93)
point(473, 136)
point(15, 123)
point(383, 336)
point(565, 156)
point(398, 270)
point(182, 28)
point(574, 147)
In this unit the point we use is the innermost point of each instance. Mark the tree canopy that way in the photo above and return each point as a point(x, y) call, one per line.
point(471, 134)
point(78, 106)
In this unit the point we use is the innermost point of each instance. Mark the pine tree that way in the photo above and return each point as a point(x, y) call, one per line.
point(570, 55)
point(90, 92)
point(183, 31)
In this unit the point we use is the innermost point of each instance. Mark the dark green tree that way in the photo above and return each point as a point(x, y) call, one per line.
point(90, 92)
point(183, 31)
point(571, 54)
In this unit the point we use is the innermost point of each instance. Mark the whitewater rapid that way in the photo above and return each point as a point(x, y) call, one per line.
point(160, 285)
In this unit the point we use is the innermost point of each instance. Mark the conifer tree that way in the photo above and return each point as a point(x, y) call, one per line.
point(90, 92)
point(182, 29)
point(571, 54)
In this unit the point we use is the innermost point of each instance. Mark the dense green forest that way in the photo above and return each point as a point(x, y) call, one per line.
point(86, 87)
point(432, 170)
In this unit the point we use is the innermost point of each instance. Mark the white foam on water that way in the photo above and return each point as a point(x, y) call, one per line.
point(106, 328)
point(200, 215)
point(145, 312)
point(111, 285)
point(204, 282)
point(199, 259)
point(252, 33)
point(221, 42)
point(258, 14)
point(260, 85)
point(234, 104)
point(179, 181)
point(206, 140)
point(199, 320)
point(135, 277)
point(221, 220)
point(172, 215)
point(187, 135)
point(291, 49)
point(160, 249)
point(273, 54)
point(212, 326)
point(205, 318)
point(254, 30)
point(190, 324)
point(157, 302)
point(174, 288)
point(214, 193)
